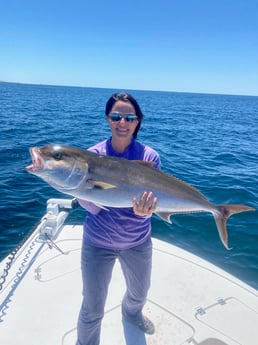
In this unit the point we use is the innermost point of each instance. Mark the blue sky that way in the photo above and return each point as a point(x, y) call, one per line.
point(208, 46)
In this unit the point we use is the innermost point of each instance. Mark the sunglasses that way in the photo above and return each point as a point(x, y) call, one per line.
point(115, 117)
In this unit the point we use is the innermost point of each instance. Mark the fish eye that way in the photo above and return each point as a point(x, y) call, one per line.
point(57, 155)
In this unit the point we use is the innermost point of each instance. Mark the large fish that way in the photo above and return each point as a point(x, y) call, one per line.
point(110, 181)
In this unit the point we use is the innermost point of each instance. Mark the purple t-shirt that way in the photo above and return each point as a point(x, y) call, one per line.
point(118, 228)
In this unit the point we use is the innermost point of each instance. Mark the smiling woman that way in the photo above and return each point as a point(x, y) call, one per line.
point(118, 233)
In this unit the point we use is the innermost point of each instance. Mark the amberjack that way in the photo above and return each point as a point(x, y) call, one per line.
point(113, 182)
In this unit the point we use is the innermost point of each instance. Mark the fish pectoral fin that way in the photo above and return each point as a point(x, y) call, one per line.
point(101, 184)
point(165, 216)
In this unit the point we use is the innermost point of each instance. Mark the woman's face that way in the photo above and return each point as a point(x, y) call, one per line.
point(122, 129)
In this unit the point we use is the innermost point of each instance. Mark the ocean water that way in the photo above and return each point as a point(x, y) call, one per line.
point(210, 141)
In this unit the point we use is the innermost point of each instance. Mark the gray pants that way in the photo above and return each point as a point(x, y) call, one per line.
point(97, 266)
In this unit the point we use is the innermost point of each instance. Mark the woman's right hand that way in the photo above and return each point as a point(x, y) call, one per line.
point(146, 205)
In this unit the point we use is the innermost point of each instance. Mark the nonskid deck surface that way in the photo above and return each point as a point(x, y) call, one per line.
point(190, 300)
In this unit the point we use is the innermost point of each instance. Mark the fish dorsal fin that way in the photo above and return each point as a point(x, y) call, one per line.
point(101, 184)
point(145, 163)
point(165, 216)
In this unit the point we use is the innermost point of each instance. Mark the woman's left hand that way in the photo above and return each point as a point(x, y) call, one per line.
point(146, 205)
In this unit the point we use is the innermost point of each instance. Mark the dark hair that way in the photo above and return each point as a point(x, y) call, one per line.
point(126, 97)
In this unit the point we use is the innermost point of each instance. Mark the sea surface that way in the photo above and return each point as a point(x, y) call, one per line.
point(210, 141)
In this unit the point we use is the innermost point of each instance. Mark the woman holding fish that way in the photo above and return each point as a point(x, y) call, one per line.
point(118, 233)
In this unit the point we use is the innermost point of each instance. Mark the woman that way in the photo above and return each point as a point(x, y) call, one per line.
point(123, 233)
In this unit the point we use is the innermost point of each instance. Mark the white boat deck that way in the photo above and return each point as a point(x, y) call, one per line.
point(190, 300)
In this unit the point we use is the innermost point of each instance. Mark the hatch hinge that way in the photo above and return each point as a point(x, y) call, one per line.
point(222, 301)
point(200, 311)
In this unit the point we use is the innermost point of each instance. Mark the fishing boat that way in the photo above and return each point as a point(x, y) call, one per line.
point(191, 301)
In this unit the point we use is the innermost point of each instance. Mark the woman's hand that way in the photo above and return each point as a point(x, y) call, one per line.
point(146, 205)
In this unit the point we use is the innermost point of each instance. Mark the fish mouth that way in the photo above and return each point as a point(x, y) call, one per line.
point(38, 162)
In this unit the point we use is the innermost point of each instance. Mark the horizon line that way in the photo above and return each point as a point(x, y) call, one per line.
point(129, 89)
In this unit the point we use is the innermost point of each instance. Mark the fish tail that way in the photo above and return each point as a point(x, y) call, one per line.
point(223, 212)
